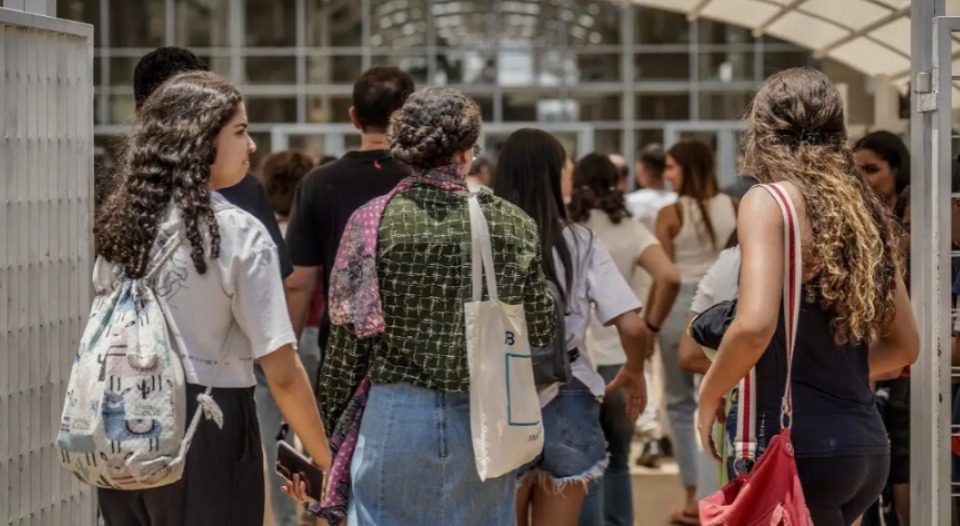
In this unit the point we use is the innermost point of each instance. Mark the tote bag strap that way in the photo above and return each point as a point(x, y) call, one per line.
point(745, 443)
point(481, 260)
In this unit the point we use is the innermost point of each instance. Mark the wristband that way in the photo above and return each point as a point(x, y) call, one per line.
point(653, 328)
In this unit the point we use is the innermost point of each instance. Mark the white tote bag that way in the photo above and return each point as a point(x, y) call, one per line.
point(504, 408)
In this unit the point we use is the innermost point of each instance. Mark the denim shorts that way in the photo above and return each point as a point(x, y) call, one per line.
point(574, 448)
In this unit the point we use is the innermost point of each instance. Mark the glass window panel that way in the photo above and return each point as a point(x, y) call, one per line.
point(712, 32)
point(775, 61)
point(202, 23)
point(649, 136)
point(262, 140)
point(97, 77)
point(607, 141)
point(536, 67)
point(270, 23)
point(663, 106)
point(329, 108)
point(87, 11)
point(415, 65)
point(271, 70)
point(728, 105)
point(536, 23)
point(663, 66)
point(486, 106)
point(219, 65)
point(727, 66)
point(262, 110)
point(401, 24)
point(656, 26)
point(464, 24)
point(603, 67)
point(334, 69)
point(598, 107)
point(465, 66)
point(601, 20)
point(121, 109)
point(334, 24)
point(534, 106)
point(121, 70)
point(136, 24)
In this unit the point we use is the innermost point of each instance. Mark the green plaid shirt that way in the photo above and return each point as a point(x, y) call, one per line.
point(424, 251)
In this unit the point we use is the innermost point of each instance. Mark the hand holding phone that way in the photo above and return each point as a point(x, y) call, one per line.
point(291, 462)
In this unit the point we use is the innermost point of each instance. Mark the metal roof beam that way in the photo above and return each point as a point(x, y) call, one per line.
point(895, 14)
point(762, 28)
point(697, 9)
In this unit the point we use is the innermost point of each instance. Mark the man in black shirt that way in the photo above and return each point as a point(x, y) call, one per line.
point(248, 194)
point(328, 196)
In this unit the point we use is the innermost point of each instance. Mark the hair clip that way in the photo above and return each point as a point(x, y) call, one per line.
point(813, 137)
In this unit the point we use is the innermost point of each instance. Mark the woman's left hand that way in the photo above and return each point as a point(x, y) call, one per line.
point(709, 412)
point(296, 489)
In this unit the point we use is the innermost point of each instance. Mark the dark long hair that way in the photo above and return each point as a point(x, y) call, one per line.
point(595, 180)
point(699, 177)
point(529, 170)
point(891, 149)
point(167, 159)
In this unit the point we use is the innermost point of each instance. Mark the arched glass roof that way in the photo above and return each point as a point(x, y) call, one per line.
point(872, 36)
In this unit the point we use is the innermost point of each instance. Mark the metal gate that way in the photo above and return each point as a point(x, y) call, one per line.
point(46, 181)
point(932, 58)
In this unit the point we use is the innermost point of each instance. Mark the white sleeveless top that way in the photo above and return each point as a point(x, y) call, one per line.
point(693, 252)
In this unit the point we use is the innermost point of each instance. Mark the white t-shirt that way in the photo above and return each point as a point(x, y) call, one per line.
point(626, 241)
point(720, 283)
point(598, 282)
point(644, 204)
point(237, 306)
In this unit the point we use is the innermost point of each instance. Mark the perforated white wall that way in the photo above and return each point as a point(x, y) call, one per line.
point(46, 188)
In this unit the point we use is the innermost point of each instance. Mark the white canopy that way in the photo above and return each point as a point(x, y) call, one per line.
point(872, 36)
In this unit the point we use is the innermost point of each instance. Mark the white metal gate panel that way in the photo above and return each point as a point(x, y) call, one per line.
point(46, 183)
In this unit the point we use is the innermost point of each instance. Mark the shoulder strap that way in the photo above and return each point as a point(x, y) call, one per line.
point(481, 260)
point(745, 443)
point(166, 252)
point(792, 279)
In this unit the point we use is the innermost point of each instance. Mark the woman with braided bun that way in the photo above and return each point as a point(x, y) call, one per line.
point(222, 285)
point(397, 296)
point(855, 318)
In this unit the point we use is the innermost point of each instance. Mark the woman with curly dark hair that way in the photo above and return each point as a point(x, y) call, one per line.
point(855, 318)
point(600, 206)
point(225, 296)
point(397, 295)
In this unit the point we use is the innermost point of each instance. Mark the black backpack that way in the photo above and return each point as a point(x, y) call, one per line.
point(551, 364)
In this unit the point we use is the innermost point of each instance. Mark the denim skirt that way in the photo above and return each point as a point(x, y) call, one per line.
point(414, 464)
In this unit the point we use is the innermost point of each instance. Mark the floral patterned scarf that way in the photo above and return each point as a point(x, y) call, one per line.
point(354, 285)
point(355, 300)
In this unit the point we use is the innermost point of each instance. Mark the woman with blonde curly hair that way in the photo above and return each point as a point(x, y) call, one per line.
point(855, 317)
point(397, 295)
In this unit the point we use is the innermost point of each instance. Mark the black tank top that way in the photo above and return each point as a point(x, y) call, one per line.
point(834, 410)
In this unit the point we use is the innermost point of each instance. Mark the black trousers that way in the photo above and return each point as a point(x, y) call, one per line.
point(222, 482)
point(840, 489)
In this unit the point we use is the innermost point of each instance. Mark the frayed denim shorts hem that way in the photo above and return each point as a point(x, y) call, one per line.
point(574, 448)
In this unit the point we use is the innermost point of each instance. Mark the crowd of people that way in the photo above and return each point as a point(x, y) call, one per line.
point(305, 282)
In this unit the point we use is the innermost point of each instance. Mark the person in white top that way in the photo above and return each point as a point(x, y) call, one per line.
point(224, 292)
point(599, 205)
point(693, 231)
point(654, 193)
point(529, 174)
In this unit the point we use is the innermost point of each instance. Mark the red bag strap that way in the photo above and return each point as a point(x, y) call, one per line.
point(745, 443)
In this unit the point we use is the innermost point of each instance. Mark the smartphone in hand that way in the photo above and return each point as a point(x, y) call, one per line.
point(291, 462)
